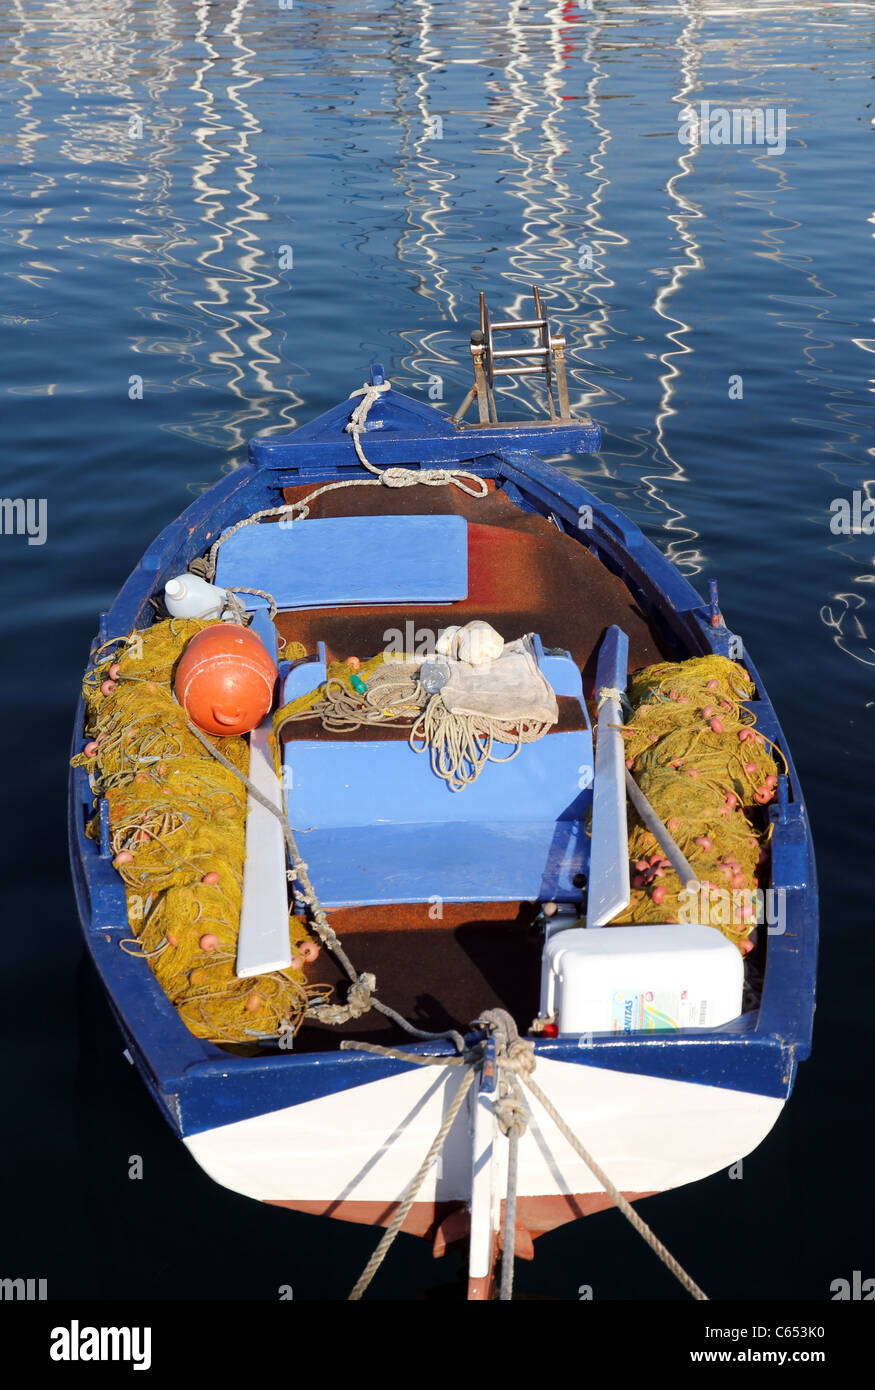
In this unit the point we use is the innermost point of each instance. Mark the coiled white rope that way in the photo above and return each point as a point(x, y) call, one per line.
point(405, 477)
point(394, 698)
point(460, 745)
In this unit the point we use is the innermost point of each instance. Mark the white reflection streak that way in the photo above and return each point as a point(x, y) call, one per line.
point(527, 255)
point(207, 196)
point(253, 260)
point(690, 561)
point(547, 253)
point(427, 184)
point(853, 603)
point(26, 131)
point(429, 199)
point(600, 238)
point(230, 233)
point(27, 127)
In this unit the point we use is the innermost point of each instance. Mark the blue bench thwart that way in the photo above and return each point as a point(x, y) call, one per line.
point(348, 560)
point(376, 825)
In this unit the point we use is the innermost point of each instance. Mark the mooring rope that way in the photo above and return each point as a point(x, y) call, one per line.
point(413, 1187)
point(616, 1196)
point(515, 1061)
point(236, 607)
point(404, 477)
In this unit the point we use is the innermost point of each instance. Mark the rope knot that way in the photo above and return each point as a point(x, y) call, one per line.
point(521, 1056)
point(369, 395)
point(613, 692)
point(471, 483)
point(512, 1116)
point(398, 477)
point(514, 1058)
point(358, 999)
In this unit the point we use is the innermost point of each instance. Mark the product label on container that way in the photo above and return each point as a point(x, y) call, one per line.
point(656, 1011)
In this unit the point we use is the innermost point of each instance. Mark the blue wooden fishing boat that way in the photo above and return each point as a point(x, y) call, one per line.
point(486, 903)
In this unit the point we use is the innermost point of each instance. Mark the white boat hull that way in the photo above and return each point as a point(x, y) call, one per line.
point(363, 1145)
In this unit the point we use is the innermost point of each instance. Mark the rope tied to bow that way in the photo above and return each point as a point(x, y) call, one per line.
point(515, 1063)
point(404, 477)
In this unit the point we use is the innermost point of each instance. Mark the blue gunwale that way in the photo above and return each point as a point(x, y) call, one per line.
point(198, 1085)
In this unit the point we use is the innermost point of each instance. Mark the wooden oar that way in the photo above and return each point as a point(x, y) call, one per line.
point(609, 890)
point(263, 942)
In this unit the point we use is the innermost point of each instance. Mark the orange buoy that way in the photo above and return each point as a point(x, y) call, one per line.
point(225, 680)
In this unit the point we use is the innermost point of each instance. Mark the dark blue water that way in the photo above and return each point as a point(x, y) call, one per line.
point(242, 205)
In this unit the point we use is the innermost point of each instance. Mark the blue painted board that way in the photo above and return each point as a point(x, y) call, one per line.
point(458, 861)
point(347, 560)
point(559, 670)
point(305, 676)
point(337, 784)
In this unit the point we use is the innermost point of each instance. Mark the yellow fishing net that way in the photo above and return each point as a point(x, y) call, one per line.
point(695, 752)
point(178, 826)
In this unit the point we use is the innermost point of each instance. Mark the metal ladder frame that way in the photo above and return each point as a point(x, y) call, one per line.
point(545, 358)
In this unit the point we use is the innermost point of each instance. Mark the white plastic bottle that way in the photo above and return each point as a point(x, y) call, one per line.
point(189, 596)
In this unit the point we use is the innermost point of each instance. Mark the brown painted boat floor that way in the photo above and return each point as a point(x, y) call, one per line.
point(524, 575)
point(438, 974)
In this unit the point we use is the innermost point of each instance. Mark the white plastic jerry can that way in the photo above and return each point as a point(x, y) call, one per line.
point(189, 596)
point(637, 979)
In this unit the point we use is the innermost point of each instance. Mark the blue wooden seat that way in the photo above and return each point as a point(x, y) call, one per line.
point(376, 825)
point(347, 560)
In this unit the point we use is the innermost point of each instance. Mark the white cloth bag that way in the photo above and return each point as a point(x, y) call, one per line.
point(511, 688)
